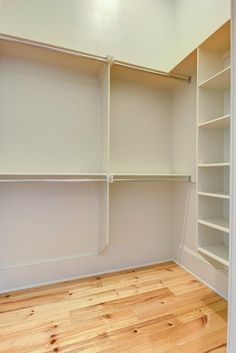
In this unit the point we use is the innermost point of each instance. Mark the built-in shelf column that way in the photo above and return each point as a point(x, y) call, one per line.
point(213, 107)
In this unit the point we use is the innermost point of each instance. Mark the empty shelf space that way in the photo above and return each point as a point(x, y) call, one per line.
point(217, 123)
point(219, 81)
point(208, 165)
point(221, 224)
point(217, 194)
point(218, 252)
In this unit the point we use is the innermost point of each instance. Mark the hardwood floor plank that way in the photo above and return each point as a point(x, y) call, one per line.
point(154, 309)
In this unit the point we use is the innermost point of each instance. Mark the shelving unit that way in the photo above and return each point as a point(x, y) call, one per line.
point(95, 157)
point(213, 134)
point(72, 134)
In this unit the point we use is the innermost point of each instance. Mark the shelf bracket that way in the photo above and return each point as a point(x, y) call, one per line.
point(109, 178)
point(110, 60)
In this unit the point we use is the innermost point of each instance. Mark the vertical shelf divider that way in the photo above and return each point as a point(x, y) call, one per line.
point(104, 207)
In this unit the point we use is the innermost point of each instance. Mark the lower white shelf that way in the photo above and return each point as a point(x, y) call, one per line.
point(219, 195)
point(215, 165)
point(221, 122)
point(221, 224)
point(218, 252)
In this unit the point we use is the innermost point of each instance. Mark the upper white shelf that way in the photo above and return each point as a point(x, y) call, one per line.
point(219, 81)
point(217, 123)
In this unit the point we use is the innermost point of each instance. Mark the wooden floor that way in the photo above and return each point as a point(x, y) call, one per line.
point(154, 309)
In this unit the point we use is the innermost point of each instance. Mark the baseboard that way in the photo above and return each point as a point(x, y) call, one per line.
point(27, 275)
point(214, 278)
point(49, 271)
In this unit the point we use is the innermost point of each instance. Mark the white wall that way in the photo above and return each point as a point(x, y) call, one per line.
point(130, 30)
point(51, 232)
point(196, 20)
point(153, 33)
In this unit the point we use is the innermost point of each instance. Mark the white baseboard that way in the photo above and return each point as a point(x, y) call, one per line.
point(194, 263)
point(48, 271)
point(26, 275)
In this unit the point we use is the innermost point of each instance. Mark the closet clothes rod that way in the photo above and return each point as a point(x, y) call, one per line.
point(108, 59)
point(153, 71)
point(51, 180)
point(188, 179)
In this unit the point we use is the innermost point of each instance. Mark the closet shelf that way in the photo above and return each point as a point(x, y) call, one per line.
point(220, 195)
point(208, 165)
point(90, 177)
point(221, 224)
point(149, 177)
point(52, 177)
point(219, 81)
point(218, 252)
point(217, 123)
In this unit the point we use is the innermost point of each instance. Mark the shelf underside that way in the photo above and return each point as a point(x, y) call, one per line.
point(218, 252)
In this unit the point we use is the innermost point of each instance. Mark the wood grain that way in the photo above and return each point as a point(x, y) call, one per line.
point(154, 309)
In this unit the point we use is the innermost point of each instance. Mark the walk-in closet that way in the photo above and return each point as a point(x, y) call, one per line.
point(115, 180)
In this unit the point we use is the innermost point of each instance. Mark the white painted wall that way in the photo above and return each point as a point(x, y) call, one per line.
point(196, 20)
point(130, 30)
point(153, 33)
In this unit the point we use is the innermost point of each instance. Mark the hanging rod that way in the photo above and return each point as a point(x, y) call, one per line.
point(107, 59)
point(51, 47)
point(187, 179)
point(153, 71)
point(51, 180)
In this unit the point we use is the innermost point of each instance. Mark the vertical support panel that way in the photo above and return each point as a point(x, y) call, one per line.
point(105, 135)
point(105, 116)
point(104, 218)
point(231, 346)
point(197, 146)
